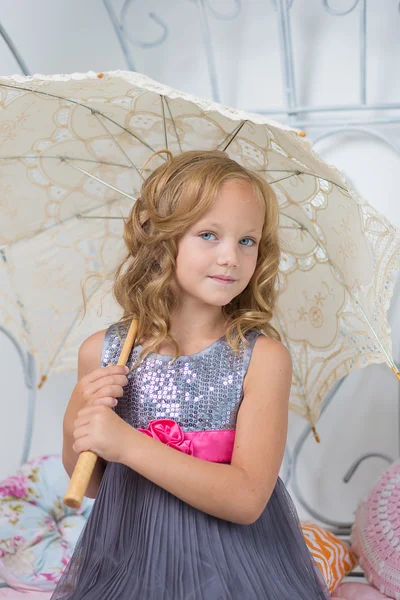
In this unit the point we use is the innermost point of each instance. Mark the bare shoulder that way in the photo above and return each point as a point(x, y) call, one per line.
point(89, 356)
point(269, 357)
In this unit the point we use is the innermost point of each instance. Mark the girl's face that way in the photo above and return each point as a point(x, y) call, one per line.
point(222, 243)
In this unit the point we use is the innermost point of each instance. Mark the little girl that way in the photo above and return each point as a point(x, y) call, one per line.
point(189, 505)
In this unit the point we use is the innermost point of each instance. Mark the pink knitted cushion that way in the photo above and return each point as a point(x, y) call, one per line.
point(375, 538)
point(357, 591)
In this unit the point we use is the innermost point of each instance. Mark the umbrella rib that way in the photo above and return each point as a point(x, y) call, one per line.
point(89, 160)
point(96, 114)
point(164, 122)
point(93, 111)
point(89, 108)
point(300, 227)
point(45, 229)
point(64, 159)
point(297, 172)
point(98, 179)
point(233, 135)
point(80, 215)
point(173, 123)
point(112, 164)
point(341, 278)
point(122, 127)
point(284, 178)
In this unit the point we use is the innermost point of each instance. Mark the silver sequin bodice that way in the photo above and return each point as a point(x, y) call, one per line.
point(201, 391)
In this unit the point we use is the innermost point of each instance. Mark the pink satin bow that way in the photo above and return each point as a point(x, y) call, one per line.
point(169, 433)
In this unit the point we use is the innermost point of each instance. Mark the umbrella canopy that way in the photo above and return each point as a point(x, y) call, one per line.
point(71, 152)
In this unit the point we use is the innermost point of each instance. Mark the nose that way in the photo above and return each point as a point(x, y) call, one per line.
point(228, 254)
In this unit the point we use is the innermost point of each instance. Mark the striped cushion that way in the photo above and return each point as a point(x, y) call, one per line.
point(332, 555)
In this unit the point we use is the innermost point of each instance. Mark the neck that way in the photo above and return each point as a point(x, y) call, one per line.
point(196, 331)
point(187, 326)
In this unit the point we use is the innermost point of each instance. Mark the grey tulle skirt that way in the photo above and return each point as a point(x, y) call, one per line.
point(142, 543)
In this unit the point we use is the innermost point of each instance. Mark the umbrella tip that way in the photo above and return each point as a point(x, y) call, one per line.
point(302, 134)
point(43, 380)
point(316, 436)
point(396, 372)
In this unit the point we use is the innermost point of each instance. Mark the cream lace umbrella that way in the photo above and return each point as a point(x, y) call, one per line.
point(71, 150)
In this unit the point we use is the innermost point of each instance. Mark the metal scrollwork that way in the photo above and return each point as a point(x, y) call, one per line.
point(339, 13)
point(125, 35)
point(235, 12)
point(161, 38)
point(14, 51)
point(289, 3)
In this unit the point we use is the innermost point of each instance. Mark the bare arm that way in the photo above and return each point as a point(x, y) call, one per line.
point(240, 491)
point(89, 358)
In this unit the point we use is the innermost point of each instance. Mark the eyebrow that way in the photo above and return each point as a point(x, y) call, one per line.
point(218, 225)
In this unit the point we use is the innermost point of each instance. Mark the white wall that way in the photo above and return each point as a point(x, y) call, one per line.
point(70, 35)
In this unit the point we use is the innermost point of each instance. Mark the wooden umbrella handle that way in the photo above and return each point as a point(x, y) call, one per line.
point(87, 460)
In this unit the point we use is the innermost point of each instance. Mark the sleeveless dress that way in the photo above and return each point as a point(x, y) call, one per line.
point(142, 543)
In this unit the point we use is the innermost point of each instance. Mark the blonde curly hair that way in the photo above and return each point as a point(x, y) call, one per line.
point(174, 197)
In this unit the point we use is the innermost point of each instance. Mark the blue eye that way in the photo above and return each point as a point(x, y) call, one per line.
point(206, 233)
point(253, 241)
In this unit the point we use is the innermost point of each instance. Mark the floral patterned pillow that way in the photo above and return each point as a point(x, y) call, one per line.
point(37, 531)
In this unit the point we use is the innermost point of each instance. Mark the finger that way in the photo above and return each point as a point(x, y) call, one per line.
point(113, 391)
point(84, 415)
point(95, 386)
point(80, 431)
point(87, 412)
point(105, 372)
point(81, 445)
point(107, 401)
point(81, 421)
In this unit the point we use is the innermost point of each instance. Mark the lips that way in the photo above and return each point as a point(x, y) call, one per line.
point(222, 278)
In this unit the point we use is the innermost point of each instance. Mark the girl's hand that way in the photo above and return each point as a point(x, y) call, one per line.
point(101, 430)
point(102, 387)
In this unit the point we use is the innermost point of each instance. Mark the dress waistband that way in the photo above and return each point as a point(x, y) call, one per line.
point(211, 445)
